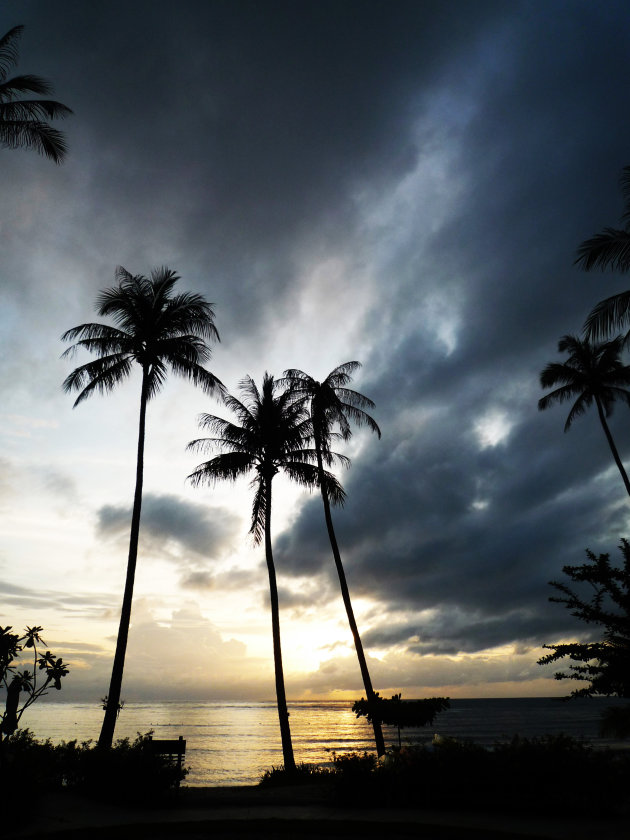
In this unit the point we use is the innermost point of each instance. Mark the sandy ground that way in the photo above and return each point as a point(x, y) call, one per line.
point(287, 813)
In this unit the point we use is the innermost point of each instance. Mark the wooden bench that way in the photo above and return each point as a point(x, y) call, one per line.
point(174, 748)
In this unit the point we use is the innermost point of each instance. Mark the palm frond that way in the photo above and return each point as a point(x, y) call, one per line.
point(295, 375)
point(342, 374)
point(163, 280)
point(215, 443)
point(609, 249)
point(259, 509)
point(97, 338)
point(34, 109)
point(198, 375)
point(100, 375)
point(620, 394)
point(608, 315)
point(559, 395)
point(578, 409)
point(9, 52)
point(360, 417)
point(303, 474)
point(334, 490)
point(249, 389)
point(188, 312)
point(242, 412)
point(156, 377)
point(227, 466)
point(217, 425)
point(556, 373)
point(36, 135)
point(26, 83)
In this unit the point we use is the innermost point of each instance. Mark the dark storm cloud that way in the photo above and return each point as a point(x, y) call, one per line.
point(237, 133)
point(412, 539)
point(169, 521)
point(452, 631)
point(528, 194)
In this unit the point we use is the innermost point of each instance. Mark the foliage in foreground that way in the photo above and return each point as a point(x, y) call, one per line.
point(128, 772)
point(303, 774)
point(23, 688)
point(603, 664)
point(538, 775)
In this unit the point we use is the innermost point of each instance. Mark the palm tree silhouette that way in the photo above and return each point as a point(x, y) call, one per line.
point(269, 436)
point(23, 121)
point(593, 373)
point(332, 405)
point(158, 330)
point(609, 249)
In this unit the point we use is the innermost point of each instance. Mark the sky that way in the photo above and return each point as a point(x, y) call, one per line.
point(400, 183)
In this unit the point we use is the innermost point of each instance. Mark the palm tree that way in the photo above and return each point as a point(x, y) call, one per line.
point(332, 405)
point(158, 330)
point(595, 373)
point(271, 437)
point(23, 121)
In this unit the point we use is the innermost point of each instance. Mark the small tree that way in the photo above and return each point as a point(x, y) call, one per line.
point(603, 664)
point(398, 712)
point(26, 683)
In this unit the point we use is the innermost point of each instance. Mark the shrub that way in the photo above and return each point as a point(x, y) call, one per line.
point(128, 772)
point(303, 774)
point(538, 775)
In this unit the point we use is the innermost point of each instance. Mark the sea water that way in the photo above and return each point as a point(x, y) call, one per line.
point(234, 743)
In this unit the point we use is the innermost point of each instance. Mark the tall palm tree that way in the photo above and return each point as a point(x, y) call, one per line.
point(23, 122)
point(158, 330)
point(593, 373)
point(269, 436)
point(333, 405)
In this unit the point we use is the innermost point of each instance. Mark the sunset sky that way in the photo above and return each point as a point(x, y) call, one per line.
point(401, 183)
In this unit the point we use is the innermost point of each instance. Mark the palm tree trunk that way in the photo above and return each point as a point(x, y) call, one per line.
point(281, 698)
point(345, 594)
point(113, 697)
point(611, 443)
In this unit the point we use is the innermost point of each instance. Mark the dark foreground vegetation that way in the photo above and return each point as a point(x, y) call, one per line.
point(129, 772)
point(546, 776)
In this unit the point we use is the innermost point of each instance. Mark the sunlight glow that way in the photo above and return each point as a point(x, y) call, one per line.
point(480, 504)
point(493, 428)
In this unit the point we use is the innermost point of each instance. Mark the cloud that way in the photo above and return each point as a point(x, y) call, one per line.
point(231, 580)
point(173, 528)
point(84, 605)
point(507, 672)
point(398, 183)
point(183, 657)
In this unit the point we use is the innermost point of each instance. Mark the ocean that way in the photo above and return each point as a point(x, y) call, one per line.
point(234, 743)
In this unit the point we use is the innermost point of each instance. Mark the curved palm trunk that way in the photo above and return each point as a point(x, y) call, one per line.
point(113, 697)
point(345, 594)
point(611, 443)
point(281, 698)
